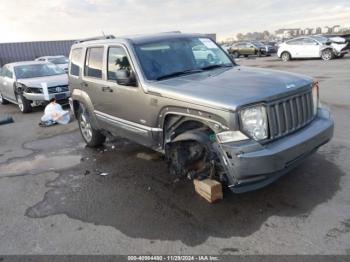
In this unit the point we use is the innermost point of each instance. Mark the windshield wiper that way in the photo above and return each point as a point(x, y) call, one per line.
point(180, 73)
point(215, 66)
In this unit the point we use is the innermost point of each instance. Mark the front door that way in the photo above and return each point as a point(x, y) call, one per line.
point(120, 109)
point(310, 48)
point(7, 81)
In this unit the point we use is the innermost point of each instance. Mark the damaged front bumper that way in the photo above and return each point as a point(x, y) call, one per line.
point(35, 97)
point(250, 165)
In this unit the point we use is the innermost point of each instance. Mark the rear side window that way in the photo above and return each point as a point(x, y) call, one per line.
point(93, 62)
point(75, 59)
point(295, 41)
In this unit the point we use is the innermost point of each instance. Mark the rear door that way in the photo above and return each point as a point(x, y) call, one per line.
point(250, 49)
point(92, 79)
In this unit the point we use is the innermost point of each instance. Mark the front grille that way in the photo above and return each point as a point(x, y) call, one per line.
point(58, 89)
point(290, 114)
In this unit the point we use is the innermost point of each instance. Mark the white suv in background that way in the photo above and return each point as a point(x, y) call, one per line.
point(60, 60)
point(312, 47)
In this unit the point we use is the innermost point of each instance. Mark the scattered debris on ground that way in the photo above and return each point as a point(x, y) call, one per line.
point(148, 156)
point(6, 120)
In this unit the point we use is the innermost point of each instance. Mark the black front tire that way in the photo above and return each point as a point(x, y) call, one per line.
point(24, 104)
point(91, 136)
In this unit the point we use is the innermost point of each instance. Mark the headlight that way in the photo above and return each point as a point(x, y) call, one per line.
point(315, 99)
point(19, 86)
point(254, 122)
point(34, 90)
point(230, 136)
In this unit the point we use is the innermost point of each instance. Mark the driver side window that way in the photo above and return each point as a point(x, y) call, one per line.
point(5, 72)
point(117, 59)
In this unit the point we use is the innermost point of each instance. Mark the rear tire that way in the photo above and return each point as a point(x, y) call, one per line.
point(24, 104)
point(3, 101)
point(285, 56)
point(246, 56)
point(327, 55)
point(91, 136)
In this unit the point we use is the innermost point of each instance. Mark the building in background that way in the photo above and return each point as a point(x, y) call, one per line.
point(28, 51)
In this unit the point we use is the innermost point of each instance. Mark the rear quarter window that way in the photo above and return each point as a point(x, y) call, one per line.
point(75, 61)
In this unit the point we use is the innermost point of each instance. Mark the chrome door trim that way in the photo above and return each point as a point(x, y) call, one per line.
point(135, 127)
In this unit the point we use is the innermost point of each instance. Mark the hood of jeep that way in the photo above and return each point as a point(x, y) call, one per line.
point(231, 88)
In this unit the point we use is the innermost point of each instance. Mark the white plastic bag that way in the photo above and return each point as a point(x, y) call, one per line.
point(54, 112)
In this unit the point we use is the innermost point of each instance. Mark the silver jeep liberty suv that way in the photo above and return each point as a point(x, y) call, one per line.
point(182, 95)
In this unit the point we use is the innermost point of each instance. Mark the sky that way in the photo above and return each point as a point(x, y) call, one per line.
point(23, 20)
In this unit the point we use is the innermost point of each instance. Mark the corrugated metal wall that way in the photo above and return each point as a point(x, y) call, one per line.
point(27, 51)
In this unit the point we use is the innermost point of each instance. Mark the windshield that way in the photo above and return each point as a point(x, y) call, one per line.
point(174, 57)
point(37, 70)
point(59, 60)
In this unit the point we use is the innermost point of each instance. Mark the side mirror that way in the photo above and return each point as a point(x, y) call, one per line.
point(125, 77)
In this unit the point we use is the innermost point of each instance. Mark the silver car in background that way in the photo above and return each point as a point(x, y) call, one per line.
point(33, 83)
point(60, 60)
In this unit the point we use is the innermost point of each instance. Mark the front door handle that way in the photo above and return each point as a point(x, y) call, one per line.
point(107, 89)
point(84, 84)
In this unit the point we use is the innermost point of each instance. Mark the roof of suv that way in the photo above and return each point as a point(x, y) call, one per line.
point(140, 39)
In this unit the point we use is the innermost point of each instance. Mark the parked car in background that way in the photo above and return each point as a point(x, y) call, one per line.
point(271, 46)
point(249, 48)
point(200, 52)
point(60, 60)
point(244, 127)
point(33, 83)
point(226, 47)
point(312, 47)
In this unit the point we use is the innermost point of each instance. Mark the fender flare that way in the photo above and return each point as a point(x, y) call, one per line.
point(83, 98)
point(210, 119)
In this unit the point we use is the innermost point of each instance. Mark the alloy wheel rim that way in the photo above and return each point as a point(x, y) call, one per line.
point(326, 55)
point(285, 57)
point(85, 128)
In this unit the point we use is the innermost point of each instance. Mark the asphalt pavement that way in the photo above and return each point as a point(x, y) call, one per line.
point(59, 197)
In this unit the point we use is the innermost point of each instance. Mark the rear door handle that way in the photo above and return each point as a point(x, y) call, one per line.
point(107, 89)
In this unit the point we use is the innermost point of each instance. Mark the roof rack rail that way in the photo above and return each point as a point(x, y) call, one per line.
point(171, 32)
point(94, 38)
